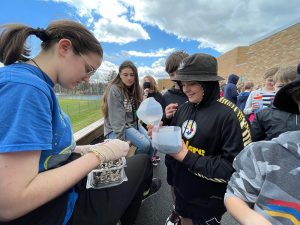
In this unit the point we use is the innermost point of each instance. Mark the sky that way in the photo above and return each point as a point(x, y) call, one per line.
point(147, 31)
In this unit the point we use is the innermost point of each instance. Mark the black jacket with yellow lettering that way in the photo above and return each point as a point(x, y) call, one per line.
point(215, 131)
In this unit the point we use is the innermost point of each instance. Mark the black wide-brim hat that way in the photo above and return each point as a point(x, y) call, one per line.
point(283, 99)
point(198, 67)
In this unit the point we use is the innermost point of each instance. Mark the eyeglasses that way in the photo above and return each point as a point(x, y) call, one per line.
point(92, 70)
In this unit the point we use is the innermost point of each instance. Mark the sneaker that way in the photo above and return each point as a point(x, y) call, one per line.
point(154, 161)
point(173, 219)
point(155, 186)
point(157, 158)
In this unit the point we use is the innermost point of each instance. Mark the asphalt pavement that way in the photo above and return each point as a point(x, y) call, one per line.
point(156, 209)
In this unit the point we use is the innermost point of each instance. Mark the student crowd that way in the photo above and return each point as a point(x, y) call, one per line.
point(240, 144)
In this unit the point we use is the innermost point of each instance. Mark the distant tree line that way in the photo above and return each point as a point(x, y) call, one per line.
point(94, 87)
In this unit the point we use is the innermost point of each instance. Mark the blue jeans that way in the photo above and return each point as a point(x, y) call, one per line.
point(139, 138)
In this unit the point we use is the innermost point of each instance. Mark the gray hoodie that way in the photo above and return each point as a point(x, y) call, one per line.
point(268, 178)
point(120, 113)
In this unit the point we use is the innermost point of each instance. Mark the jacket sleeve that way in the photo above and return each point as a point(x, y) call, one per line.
point(218, 167)
point(234, 93)
point(239, 101)
point(165, 120)
point(248, 106)
point(116, 112)
point(257, 130)
point(159, 98)
point(247, 181)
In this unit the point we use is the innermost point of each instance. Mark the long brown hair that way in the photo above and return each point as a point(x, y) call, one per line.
point(13, 38)
point(135, 90)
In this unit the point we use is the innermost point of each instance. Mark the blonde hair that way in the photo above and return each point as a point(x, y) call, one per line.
point(248, 85)
point(153, 84)
point(270, 72)
point(286, 74)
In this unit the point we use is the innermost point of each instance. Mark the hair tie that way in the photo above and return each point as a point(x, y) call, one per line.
point(42, 34)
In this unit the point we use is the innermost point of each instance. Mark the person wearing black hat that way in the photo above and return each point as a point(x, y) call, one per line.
point(264, 190)
point(271, 121)
point(214, 131)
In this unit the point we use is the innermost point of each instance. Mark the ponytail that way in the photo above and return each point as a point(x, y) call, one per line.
point(12, 43)
point(13, 39)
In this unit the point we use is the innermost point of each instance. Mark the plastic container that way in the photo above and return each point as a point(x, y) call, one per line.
point(167, 139)
point(107, 175)
point(150, 111)
point(258, 100)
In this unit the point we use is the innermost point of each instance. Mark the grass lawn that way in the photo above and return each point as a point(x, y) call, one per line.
point(81, 112)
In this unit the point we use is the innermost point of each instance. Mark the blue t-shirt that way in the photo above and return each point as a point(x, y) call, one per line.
point(31, 119)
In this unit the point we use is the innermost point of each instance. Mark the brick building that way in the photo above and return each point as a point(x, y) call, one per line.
point(250, 62)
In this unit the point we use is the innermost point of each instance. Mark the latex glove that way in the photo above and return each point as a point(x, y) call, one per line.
point(111, 149)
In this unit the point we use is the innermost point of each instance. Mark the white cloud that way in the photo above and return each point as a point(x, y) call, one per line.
point(114, 24)
point(118, 30)
point(213, 23)
point(216, 24)
point(105, 68)
point(159, 53)
point(1, 64)
point(157, 69)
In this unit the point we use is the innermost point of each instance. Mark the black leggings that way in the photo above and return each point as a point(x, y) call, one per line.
point(122, 202)
point(98, 206)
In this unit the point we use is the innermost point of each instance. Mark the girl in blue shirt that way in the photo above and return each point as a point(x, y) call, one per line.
point(39, 167)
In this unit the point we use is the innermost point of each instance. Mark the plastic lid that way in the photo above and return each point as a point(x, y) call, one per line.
point(258, 97)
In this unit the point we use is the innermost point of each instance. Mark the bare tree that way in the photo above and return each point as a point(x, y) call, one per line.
point(110, 76)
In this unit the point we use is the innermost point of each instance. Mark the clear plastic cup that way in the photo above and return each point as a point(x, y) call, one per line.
point(167, 139)
point(150, 111)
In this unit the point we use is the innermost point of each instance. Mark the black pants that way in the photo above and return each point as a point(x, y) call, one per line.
point(98, 206)
point(208, 221)
point(107, 206)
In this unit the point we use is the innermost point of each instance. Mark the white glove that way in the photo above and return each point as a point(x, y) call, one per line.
point(111, 149)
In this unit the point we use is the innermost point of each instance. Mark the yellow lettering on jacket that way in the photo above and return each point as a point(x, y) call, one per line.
point(199, 151)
